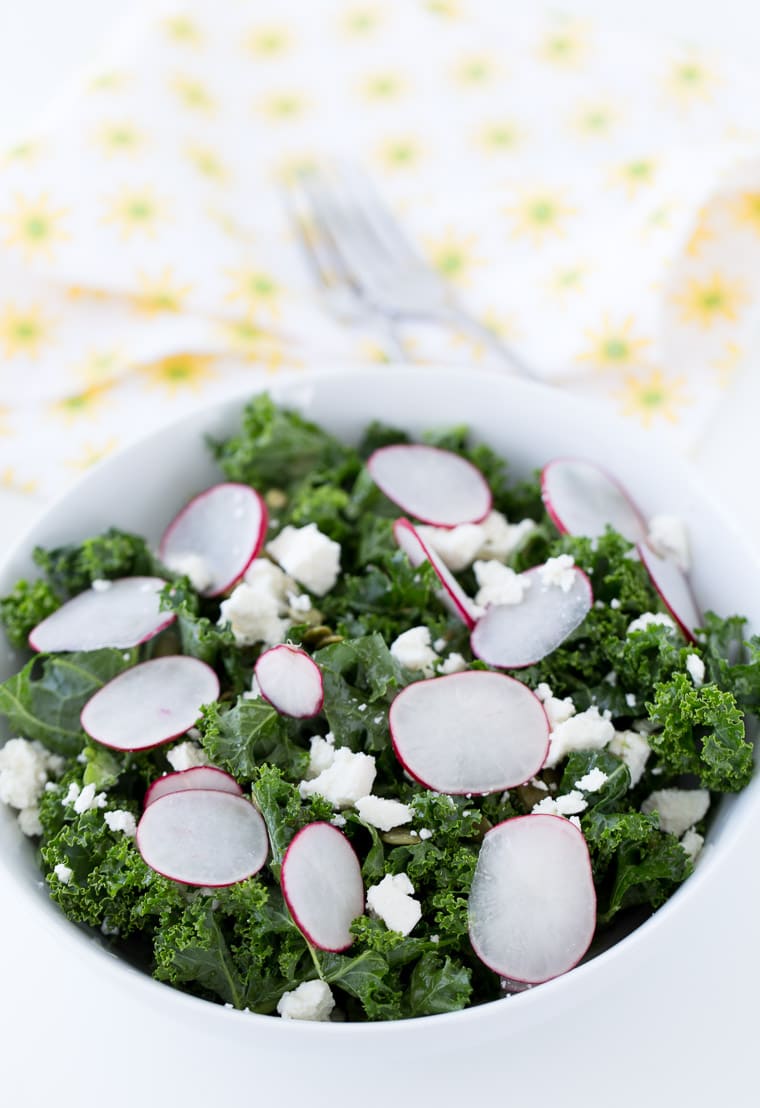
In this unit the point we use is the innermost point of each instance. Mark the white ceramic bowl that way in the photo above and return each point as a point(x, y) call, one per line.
point(142, 487)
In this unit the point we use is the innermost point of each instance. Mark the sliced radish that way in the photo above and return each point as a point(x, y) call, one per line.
point(150, 703)
point(512, 636)
point(197, 777)
point(203, 837)
point(322, 885)
point(291, 681)
point(674, 589)
point(123, 615)
point(472, 732)
point(436, 486)
point(452, 594)
point(583, 499)
point(224, 527)
point(532, 902)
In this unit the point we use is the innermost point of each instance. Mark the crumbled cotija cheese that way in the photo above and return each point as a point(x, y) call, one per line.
point(349, 777)
point(383, 813)
point(648, 619)
point(308, 555)
point(392, 900)
point(669, 538)
point(498, 584)
point(311, 1000)
point(678, 809)
point(186, 755)
point(695, 667)
point(584, 731)
point(412, 649)
point(558, 572)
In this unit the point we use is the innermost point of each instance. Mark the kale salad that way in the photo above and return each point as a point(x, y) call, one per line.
point(333, 768)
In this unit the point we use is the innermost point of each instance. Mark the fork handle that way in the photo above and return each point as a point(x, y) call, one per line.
point(459, 318)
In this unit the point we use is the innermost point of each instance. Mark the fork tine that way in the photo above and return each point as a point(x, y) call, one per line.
point(377, 214)
point(349, 236)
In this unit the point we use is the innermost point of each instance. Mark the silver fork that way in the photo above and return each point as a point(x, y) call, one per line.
point(370, 270)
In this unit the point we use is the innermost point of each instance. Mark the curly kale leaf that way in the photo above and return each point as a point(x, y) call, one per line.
point(277, 447)
point(284, 811)
point(193, 950)
point(251, 733)
point(438, 984)
point(732, 663)
point(201, 637)
point(71, 569)
point(702, 732)
point(45, 699)
point(27, 605)
point(360, 678)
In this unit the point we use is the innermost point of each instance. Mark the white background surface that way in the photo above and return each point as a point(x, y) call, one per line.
point(705, 1043)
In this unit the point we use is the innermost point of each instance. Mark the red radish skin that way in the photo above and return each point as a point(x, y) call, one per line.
point(203, 837)
point(532, 903)
point(197, 777)
point(472, 732)
point(513, 636)
point(433, 485)
point(121, 616)
point(225, 526)
point(452, 594)
point(291, 681)
point(582, 498)
point(150, 703)
point(673, 588)
point(322, 886)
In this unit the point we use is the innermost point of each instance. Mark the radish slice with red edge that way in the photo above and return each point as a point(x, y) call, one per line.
point(203, 837)
point(121, 615)
point(210, 778)
point(322, 885)
point(512, 636)
point(472, 732)
point(224, 527)
point(674, 590)
point(150, 703)
point(291, 681)
point(435, 486)
point(583, 499)
point(532, 903)
point(452, 594)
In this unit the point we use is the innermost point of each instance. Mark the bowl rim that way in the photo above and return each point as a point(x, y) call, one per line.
point(558, 992)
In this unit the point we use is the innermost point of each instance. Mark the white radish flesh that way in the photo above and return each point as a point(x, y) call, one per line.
point(291, 681)
point(451, 593)
point(322, 885)
point(203, 837)
point(532, 904)
point(120, 616)
point(512, 636)
point(150, 703)
point(197, 777)
point(473, 732)
point(435, 486)
point(673, 587)
point(583, 499)
point(224, 527)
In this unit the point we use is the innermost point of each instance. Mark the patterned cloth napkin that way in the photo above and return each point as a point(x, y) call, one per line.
point(593, 196)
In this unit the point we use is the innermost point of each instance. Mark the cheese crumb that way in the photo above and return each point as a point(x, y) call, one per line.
point(456, 546)
point(101, 584)
point(348, 778)
point(308, 555)
point(669, 538)
point(557, 710)
point(692, 842)
point(311, 1000)
point(412, 650)
point(190, 565)
point(650, 619)
point(88, 799)
point(558, 572)
point(592, 781)
point(584, 731)
point(186, 755)
point(253, 615)
point(321, 755)
point(382, 813)
point(63, 873)
point(29, 821)
point(695, 667)
point(121, 820)
point(569, 804)
point(501, 538)
point(678, 809)
point(25, 768)
point(393, 902)
point(498, 584)
point(634, 749)
point(455, 663)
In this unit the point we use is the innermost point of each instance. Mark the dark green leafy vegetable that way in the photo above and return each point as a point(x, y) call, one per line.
point(27, 605)
point(115, 553)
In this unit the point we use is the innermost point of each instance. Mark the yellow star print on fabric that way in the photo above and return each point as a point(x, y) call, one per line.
point(6, 427)
point(728, 363)
point(652, 397)
point(746, 211)
point(34, 227)
point(82, 404)
point(476, 69)
point(258, 291)
point(207, 163)
point(92, 453)
point(24, 331)
point(244, 337)
point(120, 138)
point(594, 120)
point(567, 279)
point(567, 45)
point(539, 215)
point(111, 80)
point(193, 94)
point(635, 175)
point(361, 20)
point(268, 42)
point(183, 30)
point(161, 292)
point(711, 300)
point(136, 211)
point(614, 346)
point(454, 256)
point(400, 153)
point(178, 372)
point(99, 366)
point(689, 81)
point(282, 107)
point(11, 482)
point(383, 86)
point(499, 137)
point(701, 234)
